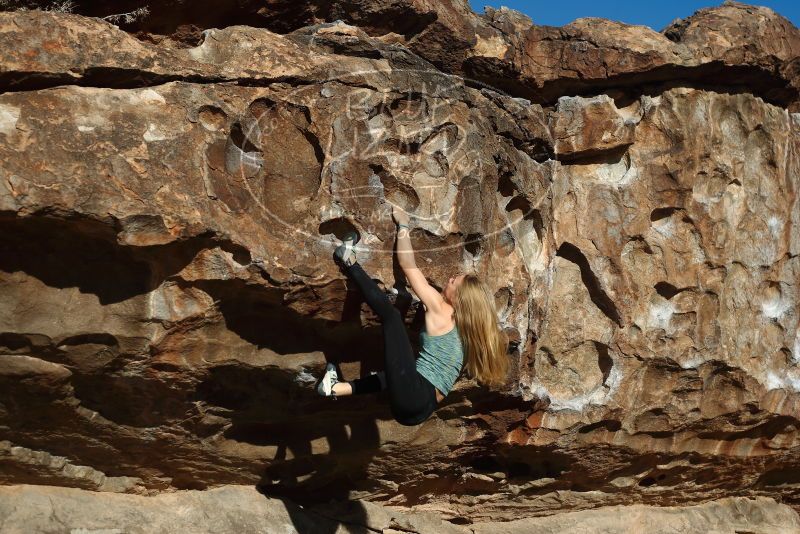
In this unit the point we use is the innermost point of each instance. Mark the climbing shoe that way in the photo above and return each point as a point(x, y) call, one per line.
point(326, 383)
point(345, 254)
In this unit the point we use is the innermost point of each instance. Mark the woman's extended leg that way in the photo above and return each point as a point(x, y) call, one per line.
point(374, 383)
point(411, 396)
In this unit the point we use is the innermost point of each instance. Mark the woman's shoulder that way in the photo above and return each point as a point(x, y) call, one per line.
point(441, 322)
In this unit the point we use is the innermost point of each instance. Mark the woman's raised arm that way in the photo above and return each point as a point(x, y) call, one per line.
point(430, 297)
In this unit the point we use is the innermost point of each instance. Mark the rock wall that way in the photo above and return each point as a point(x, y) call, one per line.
point(169, 203)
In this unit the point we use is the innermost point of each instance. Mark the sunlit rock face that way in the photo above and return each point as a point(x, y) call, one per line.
point(169, 206)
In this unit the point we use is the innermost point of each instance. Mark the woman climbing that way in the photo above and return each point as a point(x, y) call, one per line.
point(461, 330)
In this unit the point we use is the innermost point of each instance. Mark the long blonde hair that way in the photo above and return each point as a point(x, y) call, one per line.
point(485, 345)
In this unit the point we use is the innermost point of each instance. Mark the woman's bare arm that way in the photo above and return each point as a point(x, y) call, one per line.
point(404, 249)
point(430, 297)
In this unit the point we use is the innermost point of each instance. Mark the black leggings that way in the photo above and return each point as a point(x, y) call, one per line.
point(412, 397)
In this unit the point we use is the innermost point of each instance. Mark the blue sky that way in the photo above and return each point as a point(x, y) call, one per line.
point(650, 13)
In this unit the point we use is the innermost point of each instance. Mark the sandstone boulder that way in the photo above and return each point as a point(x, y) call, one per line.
point(169, 209)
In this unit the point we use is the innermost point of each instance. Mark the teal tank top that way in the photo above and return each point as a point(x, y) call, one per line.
point(441, 359)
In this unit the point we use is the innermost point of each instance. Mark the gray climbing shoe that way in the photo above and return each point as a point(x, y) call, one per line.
point(328, 380)
point(345, 253)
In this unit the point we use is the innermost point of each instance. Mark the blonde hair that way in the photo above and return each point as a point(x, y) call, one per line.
point(485, 345)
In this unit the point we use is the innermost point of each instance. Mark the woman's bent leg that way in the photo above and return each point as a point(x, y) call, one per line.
point(375, 298)
point(411, 396)
point(369, 384)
